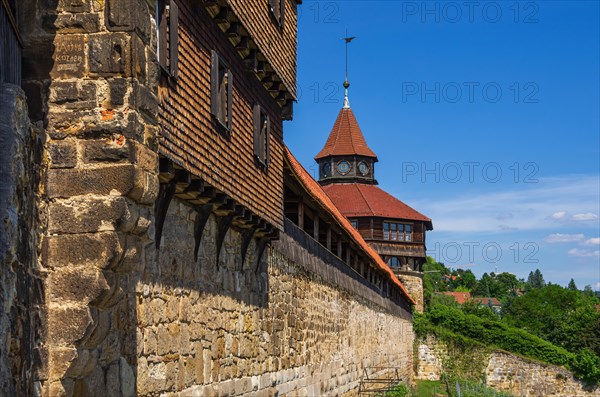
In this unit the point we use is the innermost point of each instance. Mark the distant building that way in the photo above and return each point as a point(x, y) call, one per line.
point(492, 303)
point(459, 297)
point(395, 230)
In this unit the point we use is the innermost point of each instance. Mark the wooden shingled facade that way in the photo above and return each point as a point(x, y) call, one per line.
point(259, 73)
point(277, 43)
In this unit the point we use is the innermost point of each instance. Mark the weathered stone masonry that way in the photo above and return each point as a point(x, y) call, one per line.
point(21, 290)
point(115, 315)
point(295, 325)
point(90, 79)
point(503, 371)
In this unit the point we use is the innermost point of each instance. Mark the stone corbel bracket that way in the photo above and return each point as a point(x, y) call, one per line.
point(176, 182)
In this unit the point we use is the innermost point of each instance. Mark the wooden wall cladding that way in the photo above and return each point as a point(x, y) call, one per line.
point(188, 135)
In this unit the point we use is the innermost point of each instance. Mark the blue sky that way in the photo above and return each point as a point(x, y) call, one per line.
point(485, 116)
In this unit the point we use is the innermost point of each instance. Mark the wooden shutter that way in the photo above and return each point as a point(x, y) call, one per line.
point(229, 99)
point(266, 139)
point(162, 34)
point(173, 38)
point(214, 84)
point(257, 130)
point(281, 12)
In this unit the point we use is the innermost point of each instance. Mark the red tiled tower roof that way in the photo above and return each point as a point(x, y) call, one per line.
point(358, 200)
point(346, 138)
point(315, 191)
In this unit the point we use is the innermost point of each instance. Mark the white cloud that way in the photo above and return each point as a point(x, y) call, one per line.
point(563, 238)
point(533, 207)
point(582, 253)
point(560, 215)
point(592, 241)
point(588, 216)
point(507, 228)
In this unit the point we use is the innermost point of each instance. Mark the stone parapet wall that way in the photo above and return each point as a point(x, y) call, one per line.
point(526, 378)
point(207, 328)
point(414, 285)
point(504, 371)
point(430, 356)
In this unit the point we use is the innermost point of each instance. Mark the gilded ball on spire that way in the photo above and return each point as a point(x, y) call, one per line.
point(346, 84)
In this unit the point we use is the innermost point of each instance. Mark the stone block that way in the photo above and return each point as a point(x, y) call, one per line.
point(145, 101)
point(117, 90)
point(74, 6)
point(59, 360)
point(145, 189)
point(88, 216)
point(63, 154)
point(109, 54)
point(72, 23)
point(139, 62)
point(128, 15)
point(69, 56)
point(103, 180)
point(101, 250)
point(121, 14)
point(76, 284)
point(66, 324)
point(95, 384)
point(105, 150)
point(127, 378)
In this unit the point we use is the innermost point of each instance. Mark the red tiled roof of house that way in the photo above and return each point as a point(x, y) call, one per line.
point(345, 138)
point(315, 191)
point(486, 301)
point(357, 200)
point(459, 297)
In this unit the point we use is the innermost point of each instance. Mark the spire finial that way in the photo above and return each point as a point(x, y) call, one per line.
point(346, 82)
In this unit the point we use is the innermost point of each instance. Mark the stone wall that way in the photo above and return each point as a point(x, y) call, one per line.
point(292, 325)
point(121, 317)
point(90, 79)
point(413, 281)
point(527, 378)
point(21, 292)
point(430, 354)
point(502, 371)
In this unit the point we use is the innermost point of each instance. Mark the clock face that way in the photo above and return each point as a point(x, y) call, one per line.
point(363, 168)
point(326, 169)
point(343, 167)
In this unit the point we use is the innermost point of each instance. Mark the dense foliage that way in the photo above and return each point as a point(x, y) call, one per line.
point(444, 321)
point(565, 317)
point(539, 320)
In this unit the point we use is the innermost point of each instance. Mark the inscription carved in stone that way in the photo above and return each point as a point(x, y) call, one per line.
point(68, 56)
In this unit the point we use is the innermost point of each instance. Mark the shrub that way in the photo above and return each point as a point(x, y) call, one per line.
point(449, 322)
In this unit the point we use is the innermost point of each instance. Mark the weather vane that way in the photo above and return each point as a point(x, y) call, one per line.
point(347, 39)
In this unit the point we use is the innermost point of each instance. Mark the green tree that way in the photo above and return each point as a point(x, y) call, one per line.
point(432, 279)
point(588, 291)
point(565, 317)
point(535, 279)
point(465, 279)
point(572, 285)
point(482, 288)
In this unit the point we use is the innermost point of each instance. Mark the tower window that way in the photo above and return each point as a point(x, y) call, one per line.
point(393, 261)
point(395, 231)
point(221, 82)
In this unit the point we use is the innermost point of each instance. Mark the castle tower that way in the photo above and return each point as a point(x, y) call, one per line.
point(393, 229)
